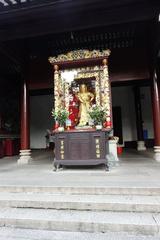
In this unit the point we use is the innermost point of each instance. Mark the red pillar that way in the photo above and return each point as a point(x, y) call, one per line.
point(25, 153)
point(25, 141)
point(156, 114)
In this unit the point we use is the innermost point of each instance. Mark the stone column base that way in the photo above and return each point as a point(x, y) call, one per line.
point(112, 157)
point(157, 153)
point(25, 156)
point(141, 146)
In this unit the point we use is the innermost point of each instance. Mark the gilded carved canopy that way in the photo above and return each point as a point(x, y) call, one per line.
point(82, 66)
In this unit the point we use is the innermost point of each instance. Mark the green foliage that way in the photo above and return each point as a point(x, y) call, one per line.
point(97, 114)
point(61, 116)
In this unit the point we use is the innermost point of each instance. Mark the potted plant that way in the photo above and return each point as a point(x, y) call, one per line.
point(60, 116)
point(97, 114)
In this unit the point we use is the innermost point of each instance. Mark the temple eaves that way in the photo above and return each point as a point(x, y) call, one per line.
point(10, 2)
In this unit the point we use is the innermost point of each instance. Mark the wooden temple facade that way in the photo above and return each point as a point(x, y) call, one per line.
point(30, 33)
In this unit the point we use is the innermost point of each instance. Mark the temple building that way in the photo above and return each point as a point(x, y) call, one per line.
point(119, 40)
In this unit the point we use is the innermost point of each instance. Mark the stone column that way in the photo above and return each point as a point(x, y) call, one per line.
point(156, 115)
point(139, 121)
point(25, 152)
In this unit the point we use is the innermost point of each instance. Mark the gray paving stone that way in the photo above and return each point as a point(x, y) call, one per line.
point(88, 221)
point(135, 170)
point(132, 203)
point(31, 234)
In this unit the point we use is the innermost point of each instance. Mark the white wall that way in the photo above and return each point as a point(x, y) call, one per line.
point(121, 96)
point(124, 97)
point(40, 107)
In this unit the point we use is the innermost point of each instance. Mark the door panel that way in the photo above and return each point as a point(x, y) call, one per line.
point(117, 123)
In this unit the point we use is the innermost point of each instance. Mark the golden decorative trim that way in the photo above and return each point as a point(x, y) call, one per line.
point(79, 54)
point(98, 151)
point(100, 73)
point(86, 75)
point(105, 94)
point(62, 157)
point(57, 99)
point(62, 149)
point(97, 140)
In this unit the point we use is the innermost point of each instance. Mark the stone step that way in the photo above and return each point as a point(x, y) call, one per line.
point(85, 221)
point(98, 190)
point(130, 203)
point(32, 234)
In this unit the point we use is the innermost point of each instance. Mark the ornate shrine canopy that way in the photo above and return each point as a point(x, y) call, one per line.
point(79, 58)
point(79, 55)
point(87, 67)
